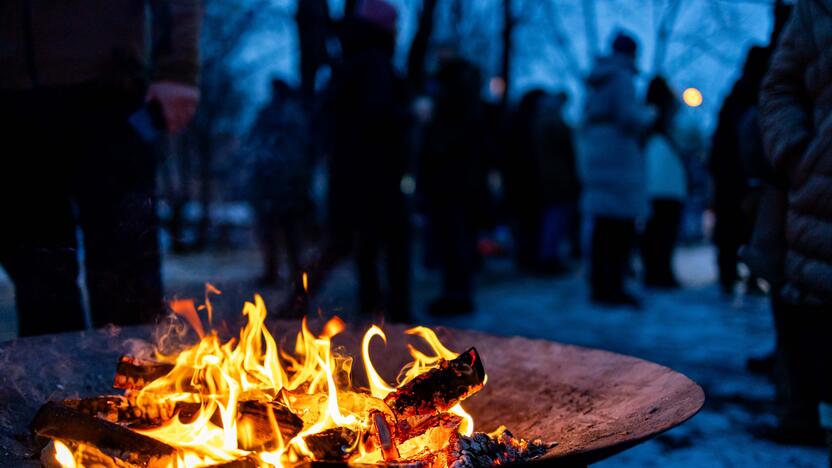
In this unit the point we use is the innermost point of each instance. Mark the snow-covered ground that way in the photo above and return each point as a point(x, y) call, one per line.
point(695, 331)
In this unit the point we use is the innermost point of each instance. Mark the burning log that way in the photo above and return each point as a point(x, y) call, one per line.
point(58, 421)
point(336, 444)
point(259, 416)
point(383, 436)
point(418, 425)
point(262, 418)
point(439, 389)
point(134, 374)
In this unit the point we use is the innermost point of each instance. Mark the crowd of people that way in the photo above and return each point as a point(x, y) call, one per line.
point(86, 108)
point(622, 161)
point(619, 178)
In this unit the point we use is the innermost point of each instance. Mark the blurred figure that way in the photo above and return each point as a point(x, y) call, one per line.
point(280, 176)
point(765, 207)
point(77, 106)
point(795, 116)
point(667, 188)
point(523, 192)
point(557, 179)
point(367, 108)
point(730, 181)
point(612, 168)
point(452, 182)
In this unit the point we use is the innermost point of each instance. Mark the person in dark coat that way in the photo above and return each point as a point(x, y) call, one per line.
point(732, 227)
point(451, 181)
point(76, 84)
point(795, 116)
point(523, 192)
point(280, 178)
point(612, 168)
point(667, 188)
point(367, 106)
point(557, 181)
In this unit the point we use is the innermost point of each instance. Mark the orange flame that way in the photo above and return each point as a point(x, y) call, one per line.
point(313, 381)
point(64, 456)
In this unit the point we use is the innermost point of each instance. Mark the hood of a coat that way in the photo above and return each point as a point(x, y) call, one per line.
point(608, 67)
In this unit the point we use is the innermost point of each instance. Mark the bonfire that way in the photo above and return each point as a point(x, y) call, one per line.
point(246, 402)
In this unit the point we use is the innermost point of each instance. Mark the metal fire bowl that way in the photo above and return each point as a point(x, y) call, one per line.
point(593, 403)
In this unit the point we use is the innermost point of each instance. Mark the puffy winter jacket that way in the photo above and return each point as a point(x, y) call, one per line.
point(611, 162)
point(796, 121)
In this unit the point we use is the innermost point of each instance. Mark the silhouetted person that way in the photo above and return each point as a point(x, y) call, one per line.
point(452, 181)
point(765, 205)
point(612, 167)
point(367, 108)
point(280, 178)
point(71, 75)
point(557, 179)
point(667, 188)
point(795, 115)
point(730, 181)
point(523, 190)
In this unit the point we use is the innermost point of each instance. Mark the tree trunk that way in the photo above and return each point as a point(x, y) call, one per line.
point(505, 64)
point(313, 28)
point(419, 48)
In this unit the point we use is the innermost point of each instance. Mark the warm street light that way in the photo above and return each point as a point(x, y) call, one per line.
point(692, 97)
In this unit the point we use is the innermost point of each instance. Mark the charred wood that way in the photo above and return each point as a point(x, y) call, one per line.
point(383, 436)
point(58, 421)
point(439, 389)
point(260, 416)
point(415, 426)
point(335, 444)
point(134, 374)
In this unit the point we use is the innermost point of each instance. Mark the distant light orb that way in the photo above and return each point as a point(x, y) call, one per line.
point(692, 97)
point(497, 87)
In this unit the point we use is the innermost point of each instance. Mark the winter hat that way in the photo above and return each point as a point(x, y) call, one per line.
point(624, 44)
point(377, 12)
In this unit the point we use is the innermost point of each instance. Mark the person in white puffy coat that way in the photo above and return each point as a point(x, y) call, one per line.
point(667, 189)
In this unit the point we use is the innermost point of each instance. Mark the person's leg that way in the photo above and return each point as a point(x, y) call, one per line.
point(292, 235)
point(650, 249)
point(40, 256)
point(398, 272)
point(116, 197)
point(575, 229)
point(623, 236)
point(725, 237)
point(456, 249)
point(660, 240)
point(673, 218)
point(458, 257)
point(599, 258)
point(38, 247)
point(369, 290)
point(825, 358)
point(798, 352)
point(553, 228)
point(268, 236)
point(612, 241)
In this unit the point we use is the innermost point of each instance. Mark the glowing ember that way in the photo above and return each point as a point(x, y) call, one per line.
point(247, 400)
